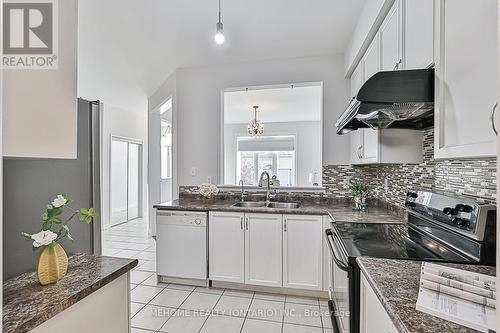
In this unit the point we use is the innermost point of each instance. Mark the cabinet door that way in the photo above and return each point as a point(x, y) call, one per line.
point(371, 146)
point(372, 60)
point(466, 83)
point(357, 79)
point(390, 39)
point(418, 34)
point(226, 247)
point(263, 249)
point(356, 139)
point(303, 252)
point(373, 317)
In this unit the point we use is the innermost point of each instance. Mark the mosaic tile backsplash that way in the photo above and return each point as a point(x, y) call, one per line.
point(474, 178)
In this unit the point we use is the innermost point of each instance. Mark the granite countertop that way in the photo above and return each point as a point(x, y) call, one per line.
point(396, 284)
point(341, 210)
point(27, 304)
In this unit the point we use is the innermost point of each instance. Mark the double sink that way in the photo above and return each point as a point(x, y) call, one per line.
point(263, 204)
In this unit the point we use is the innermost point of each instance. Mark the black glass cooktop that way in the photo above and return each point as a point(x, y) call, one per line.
point(394, 241)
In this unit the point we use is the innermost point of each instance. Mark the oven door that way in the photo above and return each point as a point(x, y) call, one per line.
point(340, 272)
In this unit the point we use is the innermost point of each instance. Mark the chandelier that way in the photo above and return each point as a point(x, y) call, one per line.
point(255, 126)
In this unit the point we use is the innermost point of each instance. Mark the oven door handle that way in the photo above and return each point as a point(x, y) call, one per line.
point(340, 264)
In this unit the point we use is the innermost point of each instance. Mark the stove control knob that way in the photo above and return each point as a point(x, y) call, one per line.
point(412, 195)
point(460, 222)
point(459, 207)
point(468, 209)
point(450, 211)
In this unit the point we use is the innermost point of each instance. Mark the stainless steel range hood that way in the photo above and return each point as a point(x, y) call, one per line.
point(396, 99)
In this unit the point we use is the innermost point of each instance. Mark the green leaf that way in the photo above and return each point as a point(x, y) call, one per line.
point(55, 219)
point(66, 196)
point(55, 211)
point(45, 216)
point(47, 225)
point(25, 234)
point(49, 206)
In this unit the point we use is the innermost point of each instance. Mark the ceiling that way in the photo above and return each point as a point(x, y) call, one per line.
point(281, 104)
point(127, 48)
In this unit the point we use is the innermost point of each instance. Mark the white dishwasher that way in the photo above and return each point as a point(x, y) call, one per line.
point(181, 247)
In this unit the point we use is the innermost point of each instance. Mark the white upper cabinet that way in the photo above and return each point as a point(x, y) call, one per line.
point(303, 252)
point(357, 79)
point(263, 249)
point(466, 82)
point(418, 41)
point(40, 105)
point(371, 60)
point(226, 243)
point(391, 39)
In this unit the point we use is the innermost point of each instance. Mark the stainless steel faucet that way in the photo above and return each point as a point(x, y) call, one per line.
point(268, 191)
point(242, 190)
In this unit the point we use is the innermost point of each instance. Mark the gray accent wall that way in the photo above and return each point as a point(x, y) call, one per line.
point(30, 184)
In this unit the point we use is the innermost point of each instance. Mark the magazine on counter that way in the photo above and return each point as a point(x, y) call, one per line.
point(463, 297)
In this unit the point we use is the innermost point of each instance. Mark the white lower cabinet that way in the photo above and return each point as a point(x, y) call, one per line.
point(268, 250)
point(263, 249)
point(373, 317)
point(226, 247)
point(302, 252)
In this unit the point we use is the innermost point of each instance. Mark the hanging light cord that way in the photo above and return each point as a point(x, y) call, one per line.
point(219, 13)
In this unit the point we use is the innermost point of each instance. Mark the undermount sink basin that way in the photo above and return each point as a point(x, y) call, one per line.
point(250, 204)
point(261, 204)
point(285, 205)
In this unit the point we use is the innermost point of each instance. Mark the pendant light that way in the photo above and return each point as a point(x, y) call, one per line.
point(219, 35)
point(255, 127)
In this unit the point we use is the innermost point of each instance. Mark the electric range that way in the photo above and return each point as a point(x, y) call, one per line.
point(440, 228)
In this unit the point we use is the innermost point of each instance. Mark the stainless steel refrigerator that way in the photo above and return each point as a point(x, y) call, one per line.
point(29, 184)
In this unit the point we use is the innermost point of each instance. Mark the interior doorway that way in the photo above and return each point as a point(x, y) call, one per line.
point(125, 180)
point(166, 151)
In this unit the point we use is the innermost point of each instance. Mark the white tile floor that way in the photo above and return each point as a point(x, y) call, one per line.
point(171, 308)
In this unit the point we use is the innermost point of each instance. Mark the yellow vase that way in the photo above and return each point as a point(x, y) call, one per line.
point(51, 264)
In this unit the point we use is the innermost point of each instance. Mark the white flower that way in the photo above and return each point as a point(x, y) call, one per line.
point(59, 201)
point(44, 237)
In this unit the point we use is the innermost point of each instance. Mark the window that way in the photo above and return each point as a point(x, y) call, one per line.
point(166, 149)
point(274, 154)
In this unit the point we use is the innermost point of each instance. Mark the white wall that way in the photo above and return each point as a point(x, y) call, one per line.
point(166, 91)
point(124, 123)
point(308, 149)
point(197, 107)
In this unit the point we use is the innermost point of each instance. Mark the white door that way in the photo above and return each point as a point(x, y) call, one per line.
point(466, 80)
point(226, 241)
point(419, 34)
point(125, 180)
point(118, 181)
point(390, 39)
point(263, 249)
point(133, 180)
point(303, 252)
